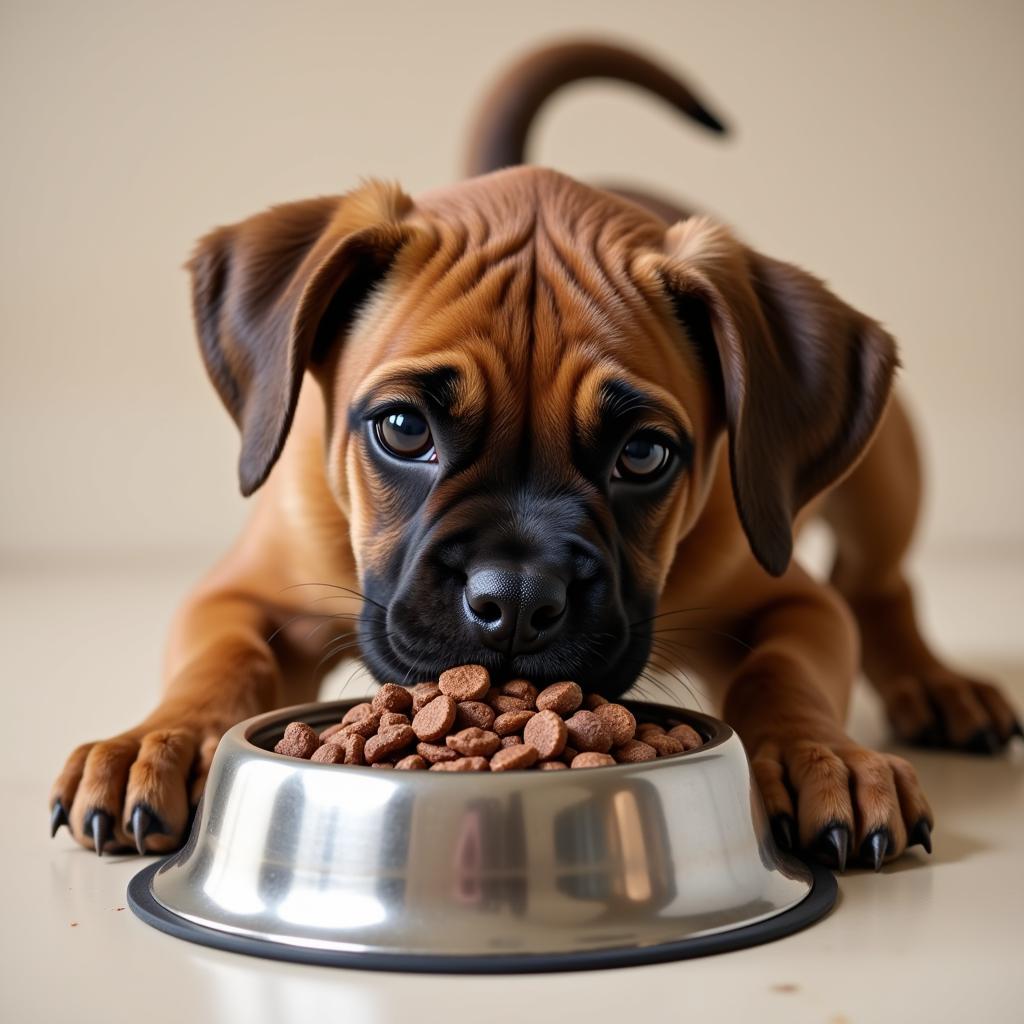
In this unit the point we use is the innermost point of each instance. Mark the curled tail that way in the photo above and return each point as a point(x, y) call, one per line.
point(498, 136)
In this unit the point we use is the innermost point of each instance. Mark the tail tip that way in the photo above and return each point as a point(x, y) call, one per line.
point(704, 116)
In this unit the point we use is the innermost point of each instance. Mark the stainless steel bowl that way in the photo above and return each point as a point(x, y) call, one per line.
point(471, 872)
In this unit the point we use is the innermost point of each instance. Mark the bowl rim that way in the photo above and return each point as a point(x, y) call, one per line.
point(715, 731)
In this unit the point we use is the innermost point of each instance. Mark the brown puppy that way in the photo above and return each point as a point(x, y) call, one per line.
point(528, 423)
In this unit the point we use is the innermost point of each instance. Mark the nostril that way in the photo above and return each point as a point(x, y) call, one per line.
point(487, 610)
point(545, 616)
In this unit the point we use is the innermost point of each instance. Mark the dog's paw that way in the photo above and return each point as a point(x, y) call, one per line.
point(133, 792)
point(840, 802)
point(942, 708)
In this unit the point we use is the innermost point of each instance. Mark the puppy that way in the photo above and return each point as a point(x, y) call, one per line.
point(565, 434)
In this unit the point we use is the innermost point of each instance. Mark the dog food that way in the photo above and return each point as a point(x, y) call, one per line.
point(462, 723)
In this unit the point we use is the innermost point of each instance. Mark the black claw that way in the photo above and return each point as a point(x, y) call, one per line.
point(921, 834)
point(834, 841)
point(141, 824)
point(782, 830)
point(144, 823)
point(984, 741)
point(933, 735)
point(874, 848)
point(58, 817)
point(101, 826)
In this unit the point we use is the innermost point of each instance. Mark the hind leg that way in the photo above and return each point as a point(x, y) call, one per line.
point(873, 513)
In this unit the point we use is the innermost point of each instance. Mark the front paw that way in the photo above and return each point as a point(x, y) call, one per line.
point(939, 707)
point(133, 792)
point(840, 802)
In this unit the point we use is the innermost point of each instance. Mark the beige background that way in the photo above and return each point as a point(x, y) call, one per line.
point(878, 144)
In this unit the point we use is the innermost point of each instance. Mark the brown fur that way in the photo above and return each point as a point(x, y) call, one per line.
point(538, 289)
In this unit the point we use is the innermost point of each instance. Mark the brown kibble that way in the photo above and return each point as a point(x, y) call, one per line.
point(664, 744)
point(423, 694)
point(355, 713)
point(470, 713)
point(521, 690)
point(462, 723)
point(563, 698)
point(619, 722)
point(462, 764)
point(434, 752)
point(511, 722)
point(388, 741)
point(354, 745)
point(591, 759)
point(512, 758)
point(588, 733)
point(299, 740)
point(434, 720)
point(474, 742)
point(645, 727)
point(331, 730)
point(411, 763)
point(687, 735)
point(329, 753)
point(365, 726)
point(502, 704)
point(634, 751)
point(392, 697)
point(466, 682)
point(547, 733)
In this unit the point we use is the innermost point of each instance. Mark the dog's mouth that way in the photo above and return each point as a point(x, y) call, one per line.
point(606, 662)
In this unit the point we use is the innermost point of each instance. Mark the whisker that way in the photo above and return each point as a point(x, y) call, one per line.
point(306, 615)
point(328, 619)
point(343, 643)
point(667, 665)
point(353, 675)
point(674, 643)
point(702, 629)
point(351, 639)
point(335, 586)
point(337, 597)
point(677, 611)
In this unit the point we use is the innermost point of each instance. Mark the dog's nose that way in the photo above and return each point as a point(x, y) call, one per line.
point(515, 610)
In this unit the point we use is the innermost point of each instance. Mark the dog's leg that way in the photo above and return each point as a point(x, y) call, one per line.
point(246, 642)
point(874, 513)
point(787, 700)
point(137, 788)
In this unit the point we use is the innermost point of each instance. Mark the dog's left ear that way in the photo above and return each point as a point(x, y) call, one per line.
point(271, 293)
point(804, 378)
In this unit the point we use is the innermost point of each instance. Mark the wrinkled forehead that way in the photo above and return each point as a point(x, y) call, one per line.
point(521, 285)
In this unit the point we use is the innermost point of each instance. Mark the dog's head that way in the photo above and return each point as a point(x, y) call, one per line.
point(526, 382)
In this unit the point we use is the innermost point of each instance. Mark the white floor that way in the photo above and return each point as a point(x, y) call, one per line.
point(933, 939)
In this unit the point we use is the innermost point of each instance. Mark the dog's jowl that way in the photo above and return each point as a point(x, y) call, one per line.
point(566, 434)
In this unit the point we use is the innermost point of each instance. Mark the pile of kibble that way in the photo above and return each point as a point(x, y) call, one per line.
point(463, 724)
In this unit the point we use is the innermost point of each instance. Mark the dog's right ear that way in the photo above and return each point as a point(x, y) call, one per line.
point(272, 293)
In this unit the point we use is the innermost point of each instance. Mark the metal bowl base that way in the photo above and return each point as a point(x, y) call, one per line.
point(818, 902)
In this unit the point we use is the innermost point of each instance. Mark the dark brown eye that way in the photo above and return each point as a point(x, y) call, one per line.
point(642, 458)
point(405, 434)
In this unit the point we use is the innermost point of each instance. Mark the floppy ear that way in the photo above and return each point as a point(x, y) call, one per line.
point(804, 379)
point(271, 293)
